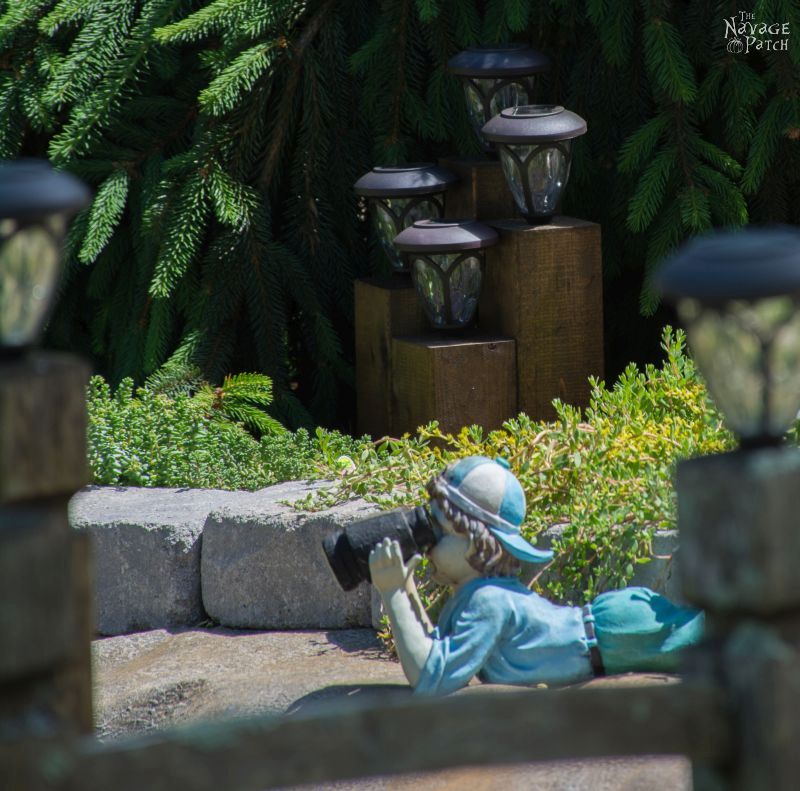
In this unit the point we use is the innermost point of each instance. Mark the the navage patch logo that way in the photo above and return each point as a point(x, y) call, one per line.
point(744, 34)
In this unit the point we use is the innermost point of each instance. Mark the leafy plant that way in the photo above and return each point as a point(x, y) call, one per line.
point(603, 476)
point(167, 435)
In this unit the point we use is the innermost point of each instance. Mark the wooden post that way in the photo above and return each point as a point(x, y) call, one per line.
point(740, 547)
point(384, 308)
point(544, 287)
point(482, 192)
point(44, 585)
point(457, 380)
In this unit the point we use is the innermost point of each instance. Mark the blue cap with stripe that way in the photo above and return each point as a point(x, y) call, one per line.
point(487, 490)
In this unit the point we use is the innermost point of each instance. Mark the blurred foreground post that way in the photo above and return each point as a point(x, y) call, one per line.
point(738, 293)
point(45, 624)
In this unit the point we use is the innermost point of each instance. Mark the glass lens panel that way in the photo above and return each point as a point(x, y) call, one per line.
point(548, 172)
point(509, 95)
point(390, 220)
point(749, 354)
point(465, 288)
point(424, 210)
point(784, 363)
point(29, 262)
point(513, 175)
point(428, 283)
point(386, 210)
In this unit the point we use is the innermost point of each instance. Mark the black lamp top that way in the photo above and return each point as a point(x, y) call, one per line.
point(422, 178)
point(30, 188)
point(533, 123)
point(445, 236)
point(499, 60)
point(747, 264)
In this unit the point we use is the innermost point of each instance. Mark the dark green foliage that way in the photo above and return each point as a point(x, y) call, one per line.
point(222, 138)
point(180, 431)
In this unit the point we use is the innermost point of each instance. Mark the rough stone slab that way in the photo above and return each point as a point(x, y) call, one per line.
point(147, 681)
point(146, 554)
point(263, 566)
point(153, 679)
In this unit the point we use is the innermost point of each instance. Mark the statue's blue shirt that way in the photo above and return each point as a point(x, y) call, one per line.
point(497, 629)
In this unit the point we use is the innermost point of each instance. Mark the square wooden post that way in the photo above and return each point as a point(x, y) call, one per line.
point(737, 515)
point(543, 286)
point(44, 577)
point(481, 194)
point(384, 308)
point(459, 381)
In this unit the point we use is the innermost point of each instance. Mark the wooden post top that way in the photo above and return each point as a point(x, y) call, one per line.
point(558, 223)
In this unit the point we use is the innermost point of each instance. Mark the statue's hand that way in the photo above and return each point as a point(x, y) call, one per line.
point(386, 566)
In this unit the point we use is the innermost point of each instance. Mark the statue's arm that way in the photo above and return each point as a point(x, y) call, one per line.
point(393, 580)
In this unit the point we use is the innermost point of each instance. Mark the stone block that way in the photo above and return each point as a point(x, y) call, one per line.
point(263, 566)
point(146, 553)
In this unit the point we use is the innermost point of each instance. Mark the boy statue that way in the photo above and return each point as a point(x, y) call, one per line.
point(493, 626)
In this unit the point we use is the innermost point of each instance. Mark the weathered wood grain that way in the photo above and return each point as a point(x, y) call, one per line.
point(482, 192)
point(458, 380)
point(544, 287)
point(42, 427)
point(384, 308)
point(36, 611)
point(740, 542)
point(397, 737)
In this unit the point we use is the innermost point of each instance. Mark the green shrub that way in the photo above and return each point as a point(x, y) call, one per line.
point(164, 435)
point(604, 475)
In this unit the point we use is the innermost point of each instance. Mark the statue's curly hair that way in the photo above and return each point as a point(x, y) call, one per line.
point(488, 556)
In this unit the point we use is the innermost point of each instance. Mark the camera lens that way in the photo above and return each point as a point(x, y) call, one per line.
point(348, 551)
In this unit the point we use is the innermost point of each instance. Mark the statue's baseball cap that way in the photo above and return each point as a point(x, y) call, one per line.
point(487, 490)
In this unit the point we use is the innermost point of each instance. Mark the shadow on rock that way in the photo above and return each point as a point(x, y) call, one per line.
point(339, 694)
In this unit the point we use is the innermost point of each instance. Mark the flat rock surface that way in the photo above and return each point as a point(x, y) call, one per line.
point(153, 679)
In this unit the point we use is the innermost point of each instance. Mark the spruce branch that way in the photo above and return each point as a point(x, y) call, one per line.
point(105, 214)
point(667, 62)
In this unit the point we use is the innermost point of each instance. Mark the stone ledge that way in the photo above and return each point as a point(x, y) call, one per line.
point(262, 561)
point(146, 553)
point(167, 558)
point(264, 568)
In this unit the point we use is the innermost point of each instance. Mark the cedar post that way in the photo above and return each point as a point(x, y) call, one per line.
point(544, 287)
point(481, 193)
point(458, 380)
point(384, 308)
point(740, 548)
point(44, 578)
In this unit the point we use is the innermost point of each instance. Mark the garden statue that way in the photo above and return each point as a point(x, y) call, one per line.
point(495, 628)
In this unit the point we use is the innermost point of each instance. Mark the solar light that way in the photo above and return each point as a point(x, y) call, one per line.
point(535, 146)
point(497, 77)
point(737, 293)
point(36, 203)
point(446, 259)
point(401, 195)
